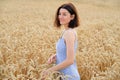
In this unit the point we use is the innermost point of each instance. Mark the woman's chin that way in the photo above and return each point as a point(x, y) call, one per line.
point(62, 23)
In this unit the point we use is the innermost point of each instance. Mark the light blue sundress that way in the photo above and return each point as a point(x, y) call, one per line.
point(71, 71)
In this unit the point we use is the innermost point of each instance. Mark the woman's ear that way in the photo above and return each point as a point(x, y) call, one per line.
point(72, 17)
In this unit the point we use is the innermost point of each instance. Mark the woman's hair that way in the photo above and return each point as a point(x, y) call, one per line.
point(72, 10)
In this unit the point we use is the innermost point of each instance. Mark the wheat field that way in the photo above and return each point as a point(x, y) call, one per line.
point(28, 38)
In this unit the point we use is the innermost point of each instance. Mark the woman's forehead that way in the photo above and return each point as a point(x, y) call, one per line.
point(63, 10)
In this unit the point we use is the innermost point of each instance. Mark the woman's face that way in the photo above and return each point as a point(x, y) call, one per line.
point(64, 17)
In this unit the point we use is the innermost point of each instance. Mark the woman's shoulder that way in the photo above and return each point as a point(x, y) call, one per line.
point(70, 33)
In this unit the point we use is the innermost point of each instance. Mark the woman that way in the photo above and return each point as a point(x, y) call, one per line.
point(66, 46)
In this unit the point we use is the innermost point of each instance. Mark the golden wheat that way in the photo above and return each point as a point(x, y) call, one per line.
point(28, 38)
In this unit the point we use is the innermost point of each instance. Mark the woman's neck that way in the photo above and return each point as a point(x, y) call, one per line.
point(66, 27)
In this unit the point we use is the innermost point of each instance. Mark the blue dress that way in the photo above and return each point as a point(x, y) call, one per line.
point(70, 71)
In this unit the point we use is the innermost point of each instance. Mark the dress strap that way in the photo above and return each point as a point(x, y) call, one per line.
point(66, 30)
point(62, 33)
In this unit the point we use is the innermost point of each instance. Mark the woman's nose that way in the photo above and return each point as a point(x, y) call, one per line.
point(60, 16)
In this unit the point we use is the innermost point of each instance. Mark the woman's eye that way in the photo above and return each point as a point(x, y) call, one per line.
point(59, 14)
point(64, 14)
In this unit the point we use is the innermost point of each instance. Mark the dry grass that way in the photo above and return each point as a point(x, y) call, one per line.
point(28, 38)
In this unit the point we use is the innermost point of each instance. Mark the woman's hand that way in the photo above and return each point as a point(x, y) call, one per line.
point(45, 73)
point(52, 59)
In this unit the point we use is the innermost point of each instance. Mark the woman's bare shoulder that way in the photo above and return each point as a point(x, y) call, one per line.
point(69, 33)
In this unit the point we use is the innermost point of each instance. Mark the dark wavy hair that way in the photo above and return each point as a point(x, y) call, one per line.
point(72, 10)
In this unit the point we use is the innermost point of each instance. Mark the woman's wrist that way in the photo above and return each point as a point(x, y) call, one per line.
point(50, 70)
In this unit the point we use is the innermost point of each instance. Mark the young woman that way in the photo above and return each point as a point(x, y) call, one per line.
point(66, 46)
